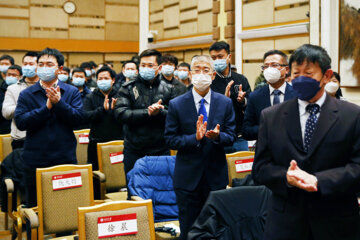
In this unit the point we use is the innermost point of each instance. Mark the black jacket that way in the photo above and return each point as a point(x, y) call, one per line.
point(179, 87)
point(4, 124)
point(103, 126)
point(90, 83)
point(219, 85)
point(143, 132)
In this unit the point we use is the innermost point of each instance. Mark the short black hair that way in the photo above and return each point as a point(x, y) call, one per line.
point(217, 46)
point(78, 70)
point(169, 58)
point(52, 52)
point(151, 52)
point(184, 64)
point(124, 64)
point(337, 76)
point(66, 69)
point(93, 64)
point(7, 57)
point(85, 65)
point(16, 67)
point(110, 63)
point(277, 52)
point(30, 54)
point(311, 53)
point(106, 69)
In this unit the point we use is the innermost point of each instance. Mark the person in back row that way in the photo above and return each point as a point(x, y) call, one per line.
point(184, 75)
point(5, 62)
point(167, 68)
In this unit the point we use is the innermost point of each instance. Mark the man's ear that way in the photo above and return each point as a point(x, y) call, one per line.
point(327, 76)
point(213, 75)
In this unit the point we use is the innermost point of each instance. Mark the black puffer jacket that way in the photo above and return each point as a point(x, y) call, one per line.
point(143, 132)
point(179, 87)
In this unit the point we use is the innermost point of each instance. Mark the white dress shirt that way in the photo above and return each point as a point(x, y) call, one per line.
point(281, 96)
point(304, 115)
point(197, 99)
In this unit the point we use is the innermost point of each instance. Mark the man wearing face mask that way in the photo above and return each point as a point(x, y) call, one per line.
point(64, 75)
point(167, 68)
point(232, 85)
point(99, 113)
point(29, 64)
point(308, 154)
point(142, 108)
point(184, 76)
point(333, 87)
point(199, 132)
point(275, 69)
point(5, 62)
point(48, 111)
point(90, 83)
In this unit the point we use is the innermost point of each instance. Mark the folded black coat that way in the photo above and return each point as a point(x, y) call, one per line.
point(237, 213)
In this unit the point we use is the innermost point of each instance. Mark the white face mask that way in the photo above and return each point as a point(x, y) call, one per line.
point(201, 81)
point(272, 75)
point(331, 87)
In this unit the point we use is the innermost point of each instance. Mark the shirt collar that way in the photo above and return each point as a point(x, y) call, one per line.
point(197, 97)
point(222, 76)
point(303, 104)
point(281, 88)
point(44, 87)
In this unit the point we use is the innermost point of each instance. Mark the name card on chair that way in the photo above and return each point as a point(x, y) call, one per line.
point(116, 157)
point(65, 181)
point(118, 225)
point(84, 138)
point(244, 165)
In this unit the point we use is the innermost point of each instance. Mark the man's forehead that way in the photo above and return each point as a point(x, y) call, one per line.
point(202, 65)
point(104, 74)
point(218, 52)
point(48, 58)
point(30, 59)
point(5, 61)
point(148, 59)
point(13, 71)
point(305, 64)
point(273, 58)
point(130, 65)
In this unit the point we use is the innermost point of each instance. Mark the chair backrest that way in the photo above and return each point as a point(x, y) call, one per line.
point(82, 138)
point(117, 220)
point(60, 191)
point(110, 159)
point(5, 146)
point(239, 164)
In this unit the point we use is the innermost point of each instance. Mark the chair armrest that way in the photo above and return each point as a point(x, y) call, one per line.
point(32, 217)
point(136, 198)
point(98, 202)
point(9, 185)
point(228, 186)
point(99, 175)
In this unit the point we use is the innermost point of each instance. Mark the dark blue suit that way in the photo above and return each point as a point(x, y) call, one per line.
point(259, 100)
point(200, 166)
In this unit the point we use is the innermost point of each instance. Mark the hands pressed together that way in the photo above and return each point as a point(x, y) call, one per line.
point(154, 109)
point(301, 179)
point(106, 103)
point(241, 94)
point(53, 95)
point(201, 130)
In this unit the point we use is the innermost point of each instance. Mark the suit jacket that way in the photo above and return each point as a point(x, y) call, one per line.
point(205, 158)
point(333, 157)
point(259, 100)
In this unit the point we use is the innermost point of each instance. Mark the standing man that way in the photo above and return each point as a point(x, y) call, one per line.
point(184, 74)
point(275, 68)
point(5, 62)
point(90, 83)
point(234, 86)
point(308, 154)
point(168, 65)
point(142, 108)
point(29, 65)
point(48, 111)
point(199, 132)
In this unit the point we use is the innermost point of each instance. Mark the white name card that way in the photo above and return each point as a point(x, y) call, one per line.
point(84, 138)
point(116, 157)
point(65, 181)
point(244, 165)
point(118, 225)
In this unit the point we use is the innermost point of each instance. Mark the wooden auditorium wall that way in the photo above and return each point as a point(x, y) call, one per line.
point(99, 30)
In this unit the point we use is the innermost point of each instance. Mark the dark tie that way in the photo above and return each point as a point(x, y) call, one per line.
point(202, 109)
point(310, 126)
point(276, 93)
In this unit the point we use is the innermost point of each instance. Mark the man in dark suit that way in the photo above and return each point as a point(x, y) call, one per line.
point(199, 124)
point(275, 69)
point(308, 154)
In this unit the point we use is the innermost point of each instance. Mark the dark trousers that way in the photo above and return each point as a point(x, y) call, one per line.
point(190, 204)
point(30, 186)
point(92, 155)
point(17, 144)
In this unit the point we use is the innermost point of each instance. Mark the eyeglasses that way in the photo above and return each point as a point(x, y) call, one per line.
point(199, 71)
point(275, 65)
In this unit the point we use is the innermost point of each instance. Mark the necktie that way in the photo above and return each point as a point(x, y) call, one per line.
point(313, 109)
point(202, 109)
point(276, 93)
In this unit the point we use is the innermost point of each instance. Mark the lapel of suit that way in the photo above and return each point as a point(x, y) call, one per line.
point(266, 96)
point(288, 92)
point(190, 106)
point(292, 124)
point(328, 117)
point(212, 109)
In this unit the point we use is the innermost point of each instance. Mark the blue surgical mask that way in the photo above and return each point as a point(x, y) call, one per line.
point(78, 82)
point(220, 65)
point(104, 85)
point(4, 68)
point(167, 70)
point(88, 73)
point(29, 71)
point(183, 75)
point(131, 74)
point(63, 77)
point(46, 74)
point(176, 72)
point(10, 80)
point(305, 88)
point(93, 71)
point(147, 73)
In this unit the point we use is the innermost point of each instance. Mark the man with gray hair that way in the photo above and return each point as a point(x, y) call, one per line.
point(199, 132)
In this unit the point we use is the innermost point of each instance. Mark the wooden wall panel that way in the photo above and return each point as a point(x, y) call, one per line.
point(160, 28)
point(55, 17)
point(78, 58)
point(156, 5)
point(87, 33)
point(204, 5)
point(118, 57)
point(205, 22)
point(14, 12)
point(48, 2)
point(290, 43)
point(185, 4)
point(179, 55)
point(189, 28)
point(256, 49)
point(173, 33)
point(18, 55)
point(251, 71)
point(171, 17)
point(292, 14)
point(87, 21)
point(15, 2)
point(279, 3)
point(258, 13)
point(94, 8)
point(170, 2)
point(128, 14)
point(122, 31)
point(126, 2)
point(157, 17)
point(14, 28)
point(189, 54)
point(48, 34)
point(188, 15)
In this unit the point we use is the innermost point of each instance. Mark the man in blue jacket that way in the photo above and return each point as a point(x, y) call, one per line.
point(48, 111)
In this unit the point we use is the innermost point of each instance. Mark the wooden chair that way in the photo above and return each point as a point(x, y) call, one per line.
point(58, 200)
point(88, 218)
point(239, 164)
point(81, 147)
point(111, 170)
